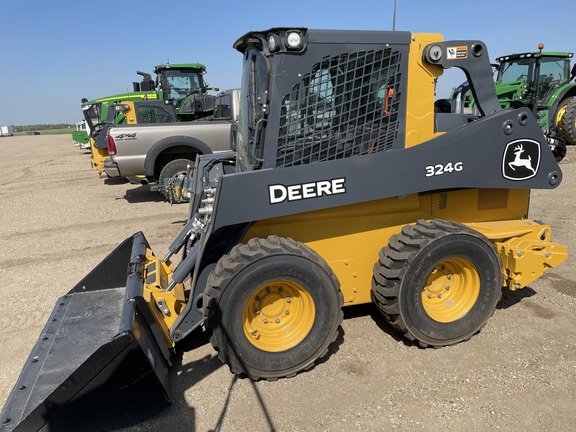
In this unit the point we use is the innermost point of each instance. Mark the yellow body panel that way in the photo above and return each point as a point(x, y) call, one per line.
point(350, 238)
point(130, 113)
point(99, 155)
point(151, 95)
point(165, 306)
point(421, 90)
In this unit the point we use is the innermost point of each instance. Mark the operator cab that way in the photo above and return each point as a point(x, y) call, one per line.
point(552, 70)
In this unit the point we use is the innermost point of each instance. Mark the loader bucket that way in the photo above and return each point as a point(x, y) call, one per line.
point(100, 362)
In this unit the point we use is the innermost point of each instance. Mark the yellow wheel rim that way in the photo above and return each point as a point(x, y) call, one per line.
point(451, 290)
point(179, 189)
point(278, 316)
point(559, 116)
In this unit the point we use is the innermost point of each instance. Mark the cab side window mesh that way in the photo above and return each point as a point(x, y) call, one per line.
point(345, 106)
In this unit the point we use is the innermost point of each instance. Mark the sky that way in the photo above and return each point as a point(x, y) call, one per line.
point(54, 53)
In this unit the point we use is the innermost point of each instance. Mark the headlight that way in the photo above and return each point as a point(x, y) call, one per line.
point(273, 42)
point(293, 39)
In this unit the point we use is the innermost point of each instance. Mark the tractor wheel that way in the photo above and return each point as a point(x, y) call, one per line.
point(173, 176)
point(566, 119)
point(437, 282)
point(273, 307)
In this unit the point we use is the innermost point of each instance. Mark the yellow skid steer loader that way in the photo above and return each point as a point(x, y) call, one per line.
point(345, 187)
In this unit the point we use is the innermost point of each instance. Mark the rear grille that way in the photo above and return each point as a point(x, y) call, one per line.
point(443, 201)
point(346, 106)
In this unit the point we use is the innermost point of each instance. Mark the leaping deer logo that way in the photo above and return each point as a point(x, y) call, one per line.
point(519, 162)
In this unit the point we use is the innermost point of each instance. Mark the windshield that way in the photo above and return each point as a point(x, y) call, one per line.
point(516, 70)
point(251, 116)
point(223, 107)
point(180, 83)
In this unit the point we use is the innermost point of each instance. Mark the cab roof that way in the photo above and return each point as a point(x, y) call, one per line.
point(165, 66)
point(521, 56)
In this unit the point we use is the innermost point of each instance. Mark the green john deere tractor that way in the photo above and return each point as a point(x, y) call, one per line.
point(180, 85)
point(542, 81)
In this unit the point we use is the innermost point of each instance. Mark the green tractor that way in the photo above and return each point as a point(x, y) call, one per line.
point(180, 85)
point(541, 81)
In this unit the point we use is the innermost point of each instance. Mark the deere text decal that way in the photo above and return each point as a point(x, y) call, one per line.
point(279, 193)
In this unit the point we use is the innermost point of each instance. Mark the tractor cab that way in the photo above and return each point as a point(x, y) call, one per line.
point(179, 80)
point(532, 77)
point(182, 85)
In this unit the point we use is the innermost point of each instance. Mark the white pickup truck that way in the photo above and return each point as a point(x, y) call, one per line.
point(159, 153)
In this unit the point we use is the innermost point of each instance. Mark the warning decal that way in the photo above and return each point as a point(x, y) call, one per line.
point(457, 53)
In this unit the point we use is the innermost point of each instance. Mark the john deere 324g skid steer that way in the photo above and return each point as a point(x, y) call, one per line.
point(345, 187)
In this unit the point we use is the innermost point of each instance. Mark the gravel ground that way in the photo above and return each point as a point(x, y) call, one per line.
point(59, 220)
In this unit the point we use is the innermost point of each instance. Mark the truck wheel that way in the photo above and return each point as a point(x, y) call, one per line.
point(273, 307)
point(173, 176)
point(437, 282)
point(566, 119)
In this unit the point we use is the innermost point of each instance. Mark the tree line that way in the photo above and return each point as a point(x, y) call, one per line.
point(43, 127)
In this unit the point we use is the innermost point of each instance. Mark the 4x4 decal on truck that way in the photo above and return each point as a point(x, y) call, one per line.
point(521, 159)
point(126, 136)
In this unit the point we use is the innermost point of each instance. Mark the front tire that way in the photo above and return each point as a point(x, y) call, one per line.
point(273, 307)
point(566, 120)
point(437, 282)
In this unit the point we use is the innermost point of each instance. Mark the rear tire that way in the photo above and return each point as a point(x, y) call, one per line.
point(174, 175)
point(437, 282)
point(566, 120)
point(273, 307)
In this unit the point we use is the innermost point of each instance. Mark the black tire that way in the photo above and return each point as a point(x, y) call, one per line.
point(437, 282)
point(174, 174)
point(558, 150)
point(273, 307)
point(567, 124)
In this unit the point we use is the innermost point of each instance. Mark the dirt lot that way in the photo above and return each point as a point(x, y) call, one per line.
point(58, 220)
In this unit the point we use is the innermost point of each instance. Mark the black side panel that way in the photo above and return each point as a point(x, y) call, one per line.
point(476, 156)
